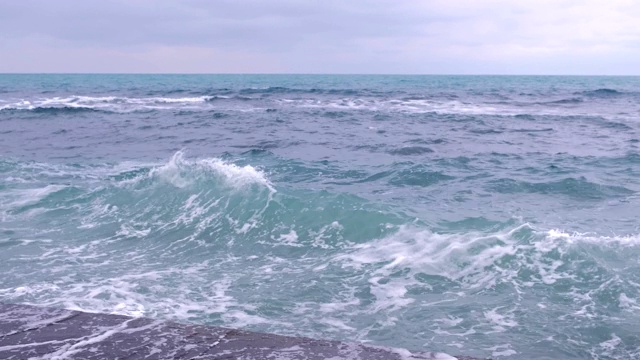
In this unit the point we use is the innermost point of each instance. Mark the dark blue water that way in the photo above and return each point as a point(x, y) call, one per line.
point(487, 216)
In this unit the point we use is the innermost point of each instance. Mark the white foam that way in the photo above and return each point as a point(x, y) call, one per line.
point(339, 306)
point(501, 350)
point(182, 172)
point(121, 295)
point(500, 321)
point(336, 324)
point(408, 355)
point(628, 303)
point(24, 197)
point(238, 176)
point(439, 254)
point(389, 295)
point(242, 319)
point(198, 99)
point(330, 231)
point(451, 321)
point(407, 105)
point(441, 356)
point(432, 253)
point(631, 239)
point(129, 309)
point(108, 103)
point(289, 239)
point(429, 106)
point(612, 344)
point(128, 231)
point(506, 352)
point(474, 261)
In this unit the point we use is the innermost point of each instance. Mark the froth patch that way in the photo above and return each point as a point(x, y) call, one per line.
point(459, 257)
point(105, 103)
point(415, 267)
point(577, 237)
point(501, 321)
point(21, 198)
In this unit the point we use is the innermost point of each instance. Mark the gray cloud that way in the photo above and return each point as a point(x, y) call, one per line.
point(374, 36)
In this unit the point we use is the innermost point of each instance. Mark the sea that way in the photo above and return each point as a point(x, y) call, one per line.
point(487, 216)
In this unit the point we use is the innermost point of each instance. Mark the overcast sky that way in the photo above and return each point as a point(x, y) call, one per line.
point(321, 36)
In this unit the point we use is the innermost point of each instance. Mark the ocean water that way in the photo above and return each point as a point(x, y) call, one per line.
point(477, 215)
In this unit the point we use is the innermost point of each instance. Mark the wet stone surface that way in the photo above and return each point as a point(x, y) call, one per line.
point(29, 332)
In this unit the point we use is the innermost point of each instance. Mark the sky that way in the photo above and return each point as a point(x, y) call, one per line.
point(573, 37)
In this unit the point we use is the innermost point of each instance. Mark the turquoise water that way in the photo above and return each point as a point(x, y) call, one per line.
point(486, 216)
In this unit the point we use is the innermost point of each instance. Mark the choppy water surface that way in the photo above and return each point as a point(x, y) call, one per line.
point(486, 216)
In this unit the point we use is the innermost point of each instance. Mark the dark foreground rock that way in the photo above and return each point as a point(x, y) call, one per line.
point(29, 332)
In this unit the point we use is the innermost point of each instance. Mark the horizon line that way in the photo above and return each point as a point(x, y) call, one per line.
point(310, 74)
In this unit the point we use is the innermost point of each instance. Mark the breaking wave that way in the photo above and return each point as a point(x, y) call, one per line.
point(102, 103)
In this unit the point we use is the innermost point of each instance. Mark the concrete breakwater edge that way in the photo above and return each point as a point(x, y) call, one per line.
point(31, 332)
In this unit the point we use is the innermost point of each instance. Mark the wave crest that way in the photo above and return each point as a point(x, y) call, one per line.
point(603, 92)
point(180, 172)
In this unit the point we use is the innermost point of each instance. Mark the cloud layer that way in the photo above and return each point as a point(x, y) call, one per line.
point(330, 36)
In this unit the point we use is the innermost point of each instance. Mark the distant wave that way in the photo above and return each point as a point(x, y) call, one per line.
point(564, 101)
point(604, 92)
point(418, 175)
point(411, 150)
point(287, 90)
point(53, 110)
point(335, 103)
point(102, 103)
point(577, 188)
